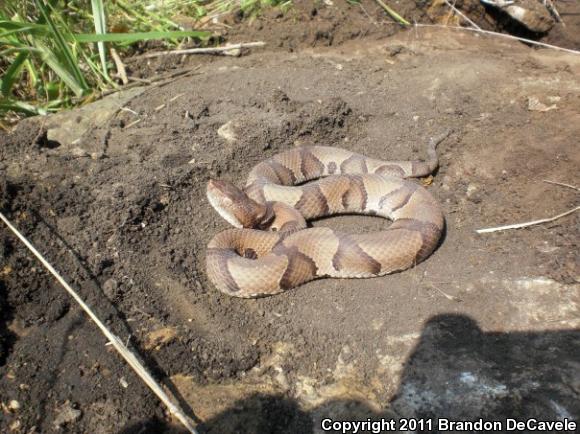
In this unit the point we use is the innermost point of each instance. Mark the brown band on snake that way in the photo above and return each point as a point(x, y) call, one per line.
point(301, 268)
point(217, 262)
point(355, 196)
point(313, 201)
point(311, 166)
point(402, 195)
point(349, 256)
point(285, 175)
point(354, 164)
point(430, 234)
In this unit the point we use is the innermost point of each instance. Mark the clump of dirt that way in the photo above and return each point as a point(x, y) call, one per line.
point(122, 213)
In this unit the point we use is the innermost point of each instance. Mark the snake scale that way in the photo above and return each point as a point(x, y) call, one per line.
point(271, 249)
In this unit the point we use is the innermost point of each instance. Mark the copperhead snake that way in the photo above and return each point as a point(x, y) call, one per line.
point(271, 248)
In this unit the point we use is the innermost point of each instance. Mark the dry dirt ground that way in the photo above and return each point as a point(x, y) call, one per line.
point(486, 327)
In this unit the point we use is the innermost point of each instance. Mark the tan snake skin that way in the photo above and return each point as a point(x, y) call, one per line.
point(280, 252)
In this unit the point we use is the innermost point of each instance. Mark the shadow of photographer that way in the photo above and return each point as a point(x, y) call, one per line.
point(456, 372)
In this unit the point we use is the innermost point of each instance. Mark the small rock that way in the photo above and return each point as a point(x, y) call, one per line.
point(535, 105)
point(227, 132)
point(471, 188)
point(111, 288)
point(532, 14)
point(66, 414)
point(13, 405)
point(78, 152)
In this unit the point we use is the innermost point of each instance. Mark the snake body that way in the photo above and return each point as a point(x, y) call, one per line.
point(272, 250)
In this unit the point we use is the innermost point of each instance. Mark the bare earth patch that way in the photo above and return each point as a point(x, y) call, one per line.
point(127, 222)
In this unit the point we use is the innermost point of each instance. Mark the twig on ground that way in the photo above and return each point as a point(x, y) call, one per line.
point(447, 296)
point(462, 15)
point(498, 3)
point(161, 80)
point(393, 13)
point(162, 106)
point(129, 356)
point(502, 35)
point(127, 109)
point(120, 66)
point(139, 80)
point(234, 48)
point(562, 184)
point(526, 224)
point(132, 124)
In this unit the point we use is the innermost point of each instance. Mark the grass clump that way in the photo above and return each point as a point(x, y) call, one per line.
point(53, 54)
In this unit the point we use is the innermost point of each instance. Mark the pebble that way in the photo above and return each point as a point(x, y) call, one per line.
point(14, 405)
point(111, 288)
point(226, 132)
point(78, 152)
point(66, 415)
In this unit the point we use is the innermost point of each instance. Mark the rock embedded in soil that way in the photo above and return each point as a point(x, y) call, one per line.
point(532, 14)
point(66, 415)
point(228, 132)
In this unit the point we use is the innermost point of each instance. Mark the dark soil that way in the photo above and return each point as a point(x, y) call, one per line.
point(486, 327)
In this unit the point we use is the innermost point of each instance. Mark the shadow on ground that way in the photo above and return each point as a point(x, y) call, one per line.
point(457, 371)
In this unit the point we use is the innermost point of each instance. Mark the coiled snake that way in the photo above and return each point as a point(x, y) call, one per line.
point(272, 249)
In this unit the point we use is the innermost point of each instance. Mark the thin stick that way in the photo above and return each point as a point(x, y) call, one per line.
point(207, 50)
point(120, 66)
point(562, 184)
point(132, 124)
point(462, 15)
point(526, 224)
point(129, 357)
point(447, 296)
point(502, 35)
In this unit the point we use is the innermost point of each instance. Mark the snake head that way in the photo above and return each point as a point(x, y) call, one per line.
point(235, 206)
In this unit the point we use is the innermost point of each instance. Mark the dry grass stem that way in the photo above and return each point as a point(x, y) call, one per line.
point(562, 184)
point(209, 50)
point(129, 356)
point(447, 296)
point(120, 66)
point(526, 224)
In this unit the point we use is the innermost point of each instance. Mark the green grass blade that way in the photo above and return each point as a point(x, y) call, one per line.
point(7, 105)
point(8, 28)
point(68, 64)
point(50, 58)
point(13, 72)
point(393, 13)
point(138, 36)
point(100, 29)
